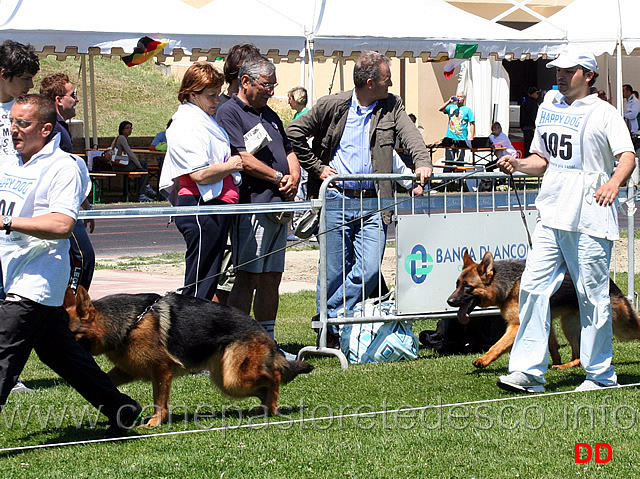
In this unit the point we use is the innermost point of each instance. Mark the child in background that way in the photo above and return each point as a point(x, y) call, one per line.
point(500, 140)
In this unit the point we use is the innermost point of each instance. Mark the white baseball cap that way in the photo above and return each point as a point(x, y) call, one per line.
point(571, 59)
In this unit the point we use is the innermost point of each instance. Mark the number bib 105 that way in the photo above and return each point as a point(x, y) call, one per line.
point(561, 131)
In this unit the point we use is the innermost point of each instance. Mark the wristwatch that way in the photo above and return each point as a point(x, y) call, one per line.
point(279, 176)
point(6, 224)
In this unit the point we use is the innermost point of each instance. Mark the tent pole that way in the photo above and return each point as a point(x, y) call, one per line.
point(341, 67)
point(303, 61)
point(94, 115)
point(311, 88)
point(85, 102)
point(403, 80)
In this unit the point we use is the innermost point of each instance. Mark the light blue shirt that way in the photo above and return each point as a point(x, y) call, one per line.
point(353, 155)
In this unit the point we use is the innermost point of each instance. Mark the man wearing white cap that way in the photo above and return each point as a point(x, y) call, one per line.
point(577, 140)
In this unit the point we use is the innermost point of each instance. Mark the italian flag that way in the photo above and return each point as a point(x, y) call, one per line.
point(462, 53)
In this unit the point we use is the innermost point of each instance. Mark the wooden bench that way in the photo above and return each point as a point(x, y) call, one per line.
point(97, 178)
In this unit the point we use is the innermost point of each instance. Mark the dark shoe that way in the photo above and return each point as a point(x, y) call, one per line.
point(122, 424)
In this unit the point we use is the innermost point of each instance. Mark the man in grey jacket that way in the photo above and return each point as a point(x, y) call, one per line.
point(354, 133)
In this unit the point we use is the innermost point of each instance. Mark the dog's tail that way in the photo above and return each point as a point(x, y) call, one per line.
point(290, 369)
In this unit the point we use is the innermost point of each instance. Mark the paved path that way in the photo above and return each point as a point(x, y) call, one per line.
point(107, 281)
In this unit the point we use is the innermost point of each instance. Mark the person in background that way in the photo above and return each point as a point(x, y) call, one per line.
point(59, 88)
point(631, 108)
point(236, 57)
point(298, 101)
point(126, 160)
point(199, 170)
point(18, 65)
point(159, 142)
point(603, 95)
point(271, 175)
point(577, 224)
point(500, 140)
point(354, 132)
point(637, 95)
point(528, 113)
point(461, 127)
point(34, 251)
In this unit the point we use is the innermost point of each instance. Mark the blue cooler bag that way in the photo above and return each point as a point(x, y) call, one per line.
point(377, 342)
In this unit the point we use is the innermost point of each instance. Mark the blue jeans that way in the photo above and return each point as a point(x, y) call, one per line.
point(357, 255)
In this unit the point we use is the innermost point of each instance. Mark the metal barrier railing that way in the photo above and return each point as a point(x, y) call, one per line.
point(437, 200)
point(432, 203)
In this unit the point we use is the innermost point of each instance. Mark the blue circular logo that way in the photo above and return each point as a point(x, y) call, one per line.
point(418, 264)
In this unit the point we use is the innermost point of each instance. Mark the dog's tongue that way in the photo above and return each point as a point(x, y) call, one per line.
point(463, 316)
point(464, 312)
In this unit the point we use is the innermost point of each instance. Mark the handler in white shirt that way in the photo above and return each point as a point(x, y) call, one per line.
point(40, 193)
point(578, 137)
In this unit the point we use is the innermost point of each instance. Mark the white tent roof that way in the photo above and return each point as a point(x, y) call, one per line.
point(594, 25)
point(419, 27)
point(278, 26)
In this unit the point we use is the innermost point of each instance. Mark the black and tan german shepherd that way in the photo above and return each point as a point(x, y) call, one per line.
point(497, 283)
point(155, 338)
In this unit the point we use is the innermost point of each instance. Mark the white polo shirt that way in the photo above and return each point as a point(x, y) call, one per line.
point(50, 182)
point(580, 142)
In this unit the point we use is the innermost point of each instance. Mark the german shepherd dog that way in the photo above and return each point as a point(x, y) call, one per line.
point(155, 338)
point(497, 283)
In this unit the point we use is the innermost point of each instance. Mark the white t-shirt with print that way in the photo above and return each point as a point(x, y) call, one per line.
point(580, 142)
point(50, 182)
point(6, 144)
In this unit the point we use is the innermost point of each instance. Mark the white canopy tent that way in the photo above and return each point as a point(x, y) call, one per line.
point(280, 28)
point(419, 28)
point(596, 26)
point(277, 28)
point(430, 29)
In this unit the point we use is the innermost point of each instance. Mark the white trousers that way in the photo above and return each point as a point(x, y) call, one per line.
point(587, 258)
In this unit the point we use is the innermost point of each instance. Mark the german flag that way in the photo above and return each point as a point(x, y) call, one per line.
point(147, 48)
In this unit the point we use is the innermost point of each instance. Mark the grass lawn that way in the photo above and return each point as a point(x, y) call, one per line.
point(531, 437)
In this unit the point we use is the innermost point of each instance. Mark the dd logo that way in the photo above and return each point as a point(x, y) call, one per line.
point(598, 446)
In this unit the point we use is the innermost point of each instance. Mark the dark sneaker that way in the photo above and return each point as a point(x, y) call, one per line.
point(121, 426)
point(519, 382)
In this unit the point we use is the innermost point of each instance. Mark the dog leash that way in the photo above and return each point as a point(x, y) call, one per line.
point(524, 219)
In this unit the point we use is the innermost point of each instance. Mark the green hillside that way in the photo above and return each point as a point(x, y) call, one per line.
point(140, 94)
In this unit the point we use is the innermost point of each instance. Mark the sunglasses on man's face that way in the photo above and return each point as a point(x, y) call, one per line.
point(20, 123)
